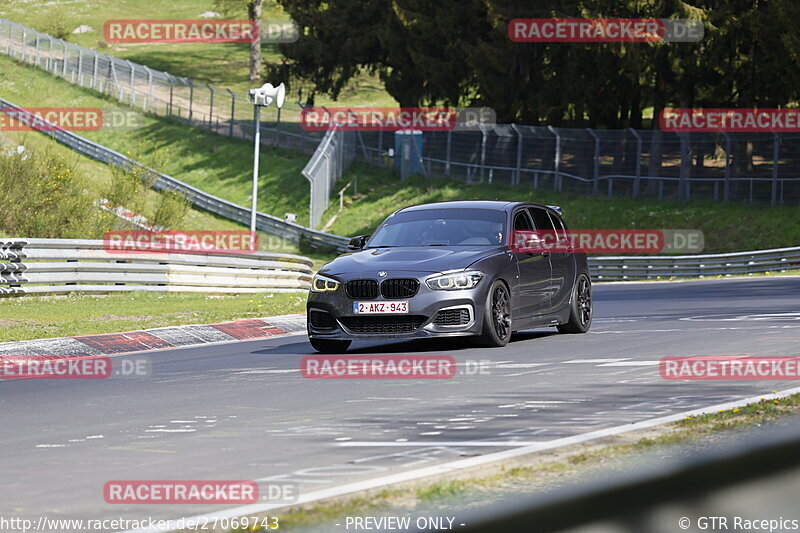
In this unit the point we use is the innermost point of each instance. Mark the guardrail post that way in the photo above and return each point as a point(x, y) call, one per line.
point(595, 161)
point(36, 58)
point(132, 82)
point(775, 162)
point(728, 158)
point(637, 181)
point(518, 167)
point(233, 110)
point(557, 160)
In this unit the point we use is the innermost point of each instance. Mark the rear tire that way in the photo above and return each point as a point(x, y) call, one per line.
point(496, 317)
point(329, 345)
point(580, 314)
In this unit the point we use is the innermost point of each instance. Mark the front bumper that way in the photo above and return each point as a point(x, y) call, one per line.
point(422, 309)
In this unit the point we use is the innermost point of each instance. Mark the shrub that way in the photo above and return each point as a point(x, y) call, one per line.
point(41, 195)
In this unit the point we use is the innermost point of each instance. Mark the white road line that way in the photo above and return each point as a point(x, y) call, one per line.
point(632, 363)
point(434, 443)
point(593, 361)
point(461, 464)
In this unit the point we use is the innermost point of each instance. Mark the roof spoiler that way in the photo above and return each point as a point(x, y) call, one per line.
point(555, 208)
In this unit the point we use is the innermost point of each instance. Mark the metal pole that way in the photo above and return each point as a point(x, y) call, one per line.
point(596, 161)
point(48, 64)
point(132, 82)
point(683, 168)
point(449, 151)
point(483, 151)
point(557, 161)
point(518, 171)
point(257, 145)
point(210, 105)
point(149, 87)
point(22, 45)
point(233, 108)
point(278, 129)
point(10, 39)
point(191, 98)
point(638, 180)
point(171, 89)
point(726, 190)
point(64, 66)
point(80, 66)
point(94, 71)
point(775, 156)
point(36, 59)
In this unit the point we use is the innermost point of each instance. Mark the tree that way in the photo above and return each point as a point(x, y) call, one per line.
point(253, 8)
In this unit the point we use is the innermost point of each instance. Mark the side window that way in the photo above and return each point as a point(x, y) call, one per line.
point(541, 219)
point(521, 221)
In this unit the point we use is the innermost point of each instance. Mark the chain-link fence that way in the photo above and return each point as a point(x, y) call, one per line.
point(332, 157)
point(199, 104)
point(750, 167)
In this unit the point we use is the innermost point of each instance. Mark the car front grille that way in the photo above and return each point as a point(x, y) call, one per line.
point(362, 288)
point(383, 325)
point(399, 288)
point(322, 320)
point(452, 317)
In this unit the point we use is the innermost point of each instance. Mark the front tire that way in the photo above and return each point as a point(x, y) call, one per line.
point(332, 346)
point(580, 314)
point(496, 317)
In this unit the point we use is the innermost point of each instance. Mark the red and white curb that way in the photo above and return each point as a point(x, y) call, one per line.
point(160, 338)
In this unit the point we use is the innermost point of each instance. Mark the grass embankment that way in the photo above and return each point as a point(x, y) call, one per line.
point(222, 166)
point(49, 316)
point(542, 472)
point(224, 65)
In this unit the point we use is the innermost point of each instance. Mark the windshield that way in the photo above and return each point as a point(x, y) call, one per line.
point(441, 227)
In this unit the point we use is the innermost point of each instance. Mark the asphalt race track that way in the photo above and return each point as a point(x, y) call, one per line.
point(242, 410)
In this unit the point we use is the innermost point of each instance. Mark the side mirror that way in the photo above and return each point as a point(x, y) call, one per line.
point(358, 243)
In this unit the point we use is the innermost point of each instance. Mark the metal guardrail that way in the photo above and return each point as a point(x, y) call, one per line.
point(755, 477)
point(618, 268)
point(57, 266)
point(198, 198)
point(625, 268)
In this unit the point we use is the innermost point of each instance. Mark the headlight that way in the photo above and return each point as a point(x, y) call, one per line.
point(454, 282)
point(322, 283)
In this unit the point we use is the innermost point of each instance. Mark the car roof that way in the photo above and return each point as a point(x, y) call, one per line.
point(498, 205)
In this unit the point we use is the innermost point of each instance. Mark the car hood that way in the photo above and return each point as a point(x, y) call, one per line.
point(412, 258)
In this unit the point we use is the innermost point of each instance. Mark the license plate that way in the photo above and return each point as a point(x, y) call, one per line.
point(380, 308)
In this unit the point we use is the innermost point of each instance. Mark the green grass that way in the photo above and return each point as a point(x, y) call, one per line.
point(223, 65)
point(39, 317)
point(222, 166)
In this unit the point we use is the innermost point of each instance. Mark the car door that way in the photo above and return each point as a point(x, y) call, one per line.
point(562, 260)
point(534, 273)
